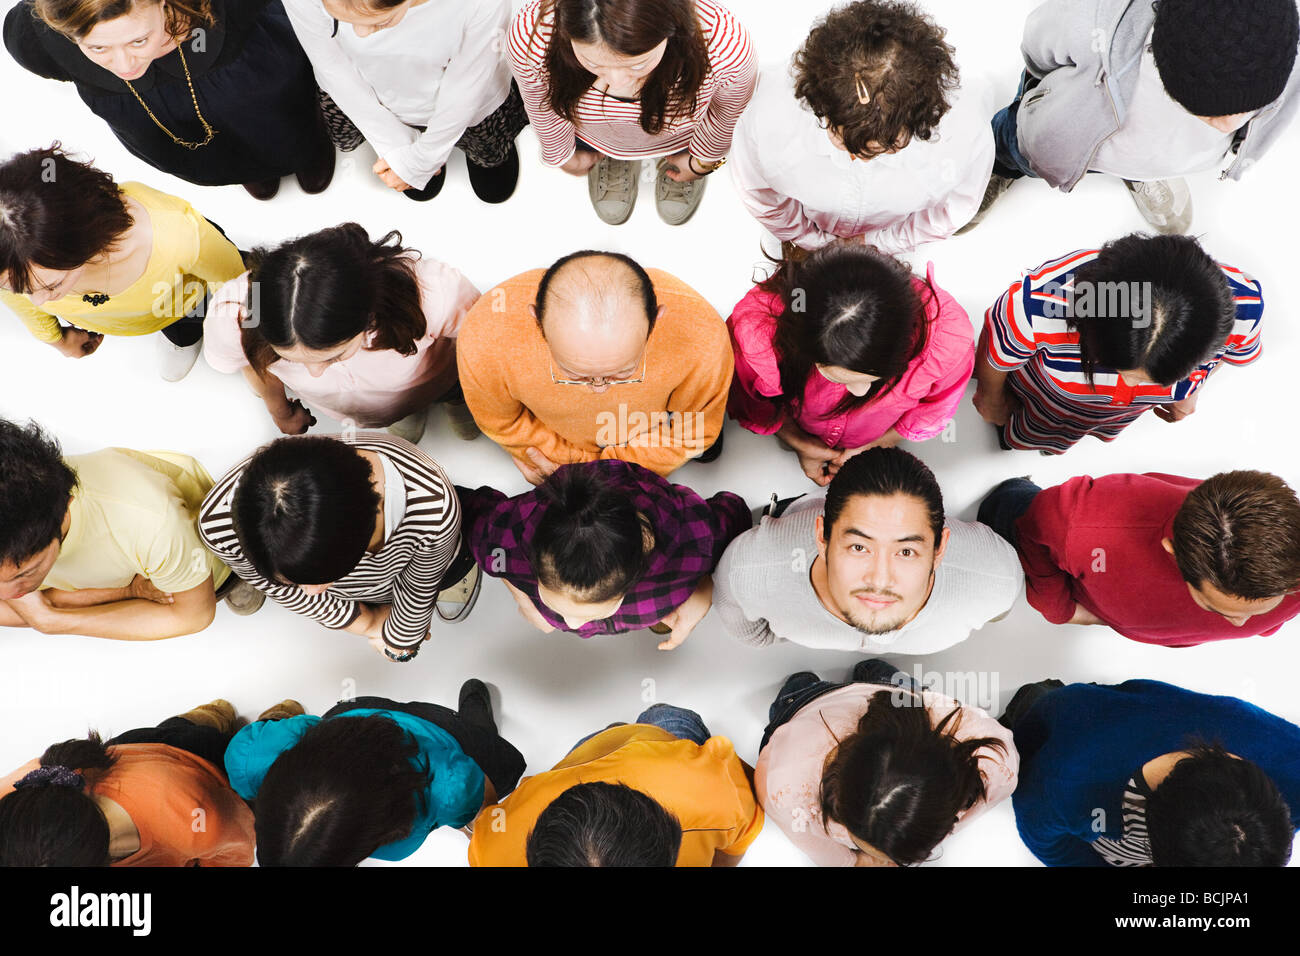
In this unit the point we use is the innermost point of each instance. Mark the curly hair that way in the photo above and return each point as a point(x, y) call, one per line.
point(878, 73)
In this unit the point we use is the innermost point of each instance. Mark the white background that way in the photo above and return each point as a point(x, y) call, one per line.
point(556, 688)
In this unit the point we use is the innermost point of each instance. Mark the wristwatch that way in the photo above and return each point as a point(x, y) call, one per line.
point(704, 169)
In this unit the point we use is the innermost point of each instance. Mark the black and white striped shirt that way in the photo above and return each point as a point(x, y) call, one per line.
point(406, 570)
point(1134, 847)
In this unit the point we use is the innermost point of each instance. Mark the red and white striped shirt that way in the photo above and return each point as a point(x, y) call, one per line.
point(613, 126)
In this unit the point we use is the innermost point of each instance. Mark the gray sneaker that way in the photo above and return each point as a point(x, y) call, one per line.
point(244, 599)
point(1164, 203)
point(612, 185)
point(992, 193)
point(411, 427)
point(676, 202)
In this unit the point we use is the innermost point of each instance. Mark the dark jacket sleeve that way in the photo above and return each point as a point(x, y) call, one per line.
point(22, 34)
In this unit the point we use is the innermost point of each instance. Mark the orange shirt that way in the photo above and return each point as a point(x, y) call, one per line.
point(181, 804)
point(705, 788)
point(505, 371)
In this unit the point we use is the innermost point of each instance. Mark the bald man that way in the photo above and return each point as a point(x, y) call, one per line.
point(596, 358)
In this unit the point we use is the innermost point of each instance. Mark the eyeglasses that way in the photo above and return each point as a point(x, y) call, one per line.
point(600, 381)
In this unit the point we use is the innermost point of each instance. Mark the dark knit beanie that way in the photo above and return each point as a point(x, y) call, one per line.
point(1222, 57)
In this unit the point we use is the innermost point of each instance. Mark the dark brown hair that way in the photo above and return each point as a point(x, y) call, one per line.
point(60, 825)
point(888, 53)
point(322, 290)
point(1240, 532)
point(55, 213)
point(628, 28)
point(897, 782)
point(850, 306)
point(75, 18)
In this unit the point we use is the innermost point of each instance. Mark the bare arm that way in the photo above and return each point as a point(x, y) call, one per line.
point(131, 619)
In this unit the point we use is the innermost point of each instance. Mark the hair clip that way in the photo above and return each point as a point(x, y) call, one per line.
point(864, 94)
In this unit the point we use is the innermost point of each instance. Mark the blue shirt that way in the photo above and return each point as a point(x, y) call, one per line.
point(1080, 744)
point(456, 784)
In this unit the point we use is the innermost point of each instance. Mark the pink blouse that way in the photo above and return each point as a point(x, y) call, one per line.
point(373, 388)
point(918, 406)
point(788, 775)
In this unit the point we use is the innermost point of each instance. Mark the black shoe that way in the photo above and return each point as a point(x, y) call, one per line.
point(320, 173)
point(495, 184)
point(713, 452)
point(264, 189)
point(428, 192)
point(874, 671)
point(475, 704)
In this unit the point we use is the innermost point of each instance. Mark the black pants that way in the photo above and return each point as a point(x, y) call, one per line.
point(1024, 699)
point(495, 755)
point(799, 690)
point(206, 742)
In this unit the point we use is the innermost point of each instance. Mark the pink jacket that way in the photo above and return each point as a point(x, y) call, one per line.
point(918, 406)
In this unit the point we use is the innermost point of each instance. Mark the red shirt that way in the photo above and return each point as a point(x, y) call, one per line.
point(1097, 542)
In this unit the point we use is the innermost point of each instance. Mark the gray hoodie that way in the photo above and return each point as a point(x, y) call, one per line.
point(1085, 55)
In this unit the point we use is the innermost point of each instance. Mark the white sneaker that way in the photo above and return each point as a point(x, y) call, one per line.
point(244, 599)
point(411, 427)
point(676, 201)
point(175, 361)
point(1164, 203)
point(612, 185)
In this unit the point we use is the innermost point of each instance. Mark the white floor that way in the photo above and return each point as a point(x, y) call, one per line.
point(556, 688)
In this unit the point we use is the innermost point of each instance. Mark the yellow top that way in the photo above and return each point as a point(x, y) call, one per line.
point(704, 787)
point(188, 255)
point(135, 513)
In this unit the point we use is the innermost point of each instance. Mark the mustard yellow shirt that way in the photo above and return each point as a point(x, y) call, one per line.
point(704, 787)
point(188, 254)
point(135, 513)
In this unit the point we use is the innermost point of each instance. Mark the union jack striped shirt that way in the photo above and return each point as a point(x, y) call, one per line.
point(612, 125)
point(1028, 337)
point(405, 572)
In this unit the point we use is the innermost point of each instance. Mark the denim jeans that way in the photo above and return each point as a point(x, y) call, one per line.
point(1010, 162)
point(803, 688)
point(1003, 506)
point(678, 721)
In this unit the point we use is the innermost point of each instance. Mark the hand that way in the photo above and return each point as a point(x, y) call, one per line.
point(1178, 410)
point(390, 178)
point(297, 421)
point(142, 588)
point(688, 614)
point(1083, 616)
point(538, 467)
point(580, 163)
point(36, 609)
point(818, 463)
point(377, 643)
point(78, 343)
point(678, 168)
point(994, 409)
point(866, 859)
point(528, 610)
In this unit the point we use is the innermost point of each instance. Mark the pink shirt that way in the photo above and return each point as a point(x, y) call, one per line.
point(788, 775)
point(918, 406)
point(375, 388)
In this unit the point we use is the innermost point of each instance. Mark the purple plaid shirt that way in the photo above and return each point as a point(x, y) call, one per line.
point(690, 536)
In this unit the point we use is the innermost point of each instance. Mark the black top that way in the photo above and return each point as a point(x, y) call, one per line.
point(252, 80)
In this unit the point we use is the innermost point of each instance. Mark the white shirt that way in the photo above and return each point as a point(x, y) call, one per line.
point(806, 191)
point(763, 593)
point(442, 67)
point(1160, 139)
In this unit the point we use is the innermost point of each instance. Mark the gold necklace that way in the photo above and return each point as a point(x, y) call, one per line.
point(194, 99)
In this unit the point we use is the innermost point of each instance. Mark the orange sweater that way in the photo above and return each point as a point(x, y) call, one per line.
point(181, 804)
point(674, 415)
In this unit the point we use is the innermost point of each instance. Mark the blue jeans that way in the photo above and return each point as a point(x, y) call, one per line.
point(803, 688)
point(1010, 162)
point(1003, 506)
point(678, 721)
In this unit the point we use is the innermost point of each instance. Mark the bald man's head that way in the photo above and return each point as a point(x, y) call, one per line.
point(596, 289)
